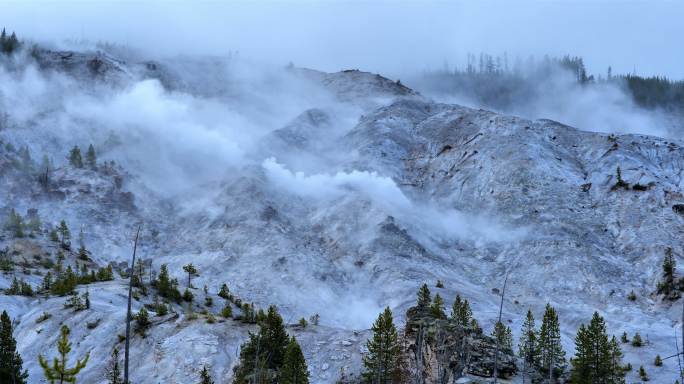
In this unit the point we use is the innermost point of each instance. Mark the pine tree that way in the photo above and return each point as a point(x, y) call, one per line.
point(636, 340)
point(597, 359)
point(10, 360)
point(658, 361)
point(91, 157)
point(75, 159)
point(190, 270)
point(142, 321)
point(424, 298)
point(461, 312)
point(504, 336)
point(65, 240)
point(551, 354)
point(261, 357)
point(58, 372)
point(205, 377)
point(667, 284)
point(437, 307)
point(381, 364)
point(113, 373)
point(224, 292)
point(527, 346)
point(294, 370)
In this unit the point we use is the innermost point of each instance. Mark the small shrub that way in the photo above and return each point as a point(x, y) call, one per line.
point(439, 284)
point(227, 311)
point(43, 317)
point(631, 296)
point(658, 362)
point(303, 323)
point(642, 374)
point(624, 338)
point(211, 319)
point(636, 340)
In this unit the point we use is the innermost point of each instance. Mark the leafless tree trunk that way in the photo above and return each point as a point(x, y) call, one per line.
point(128, 313)
point(496, 352)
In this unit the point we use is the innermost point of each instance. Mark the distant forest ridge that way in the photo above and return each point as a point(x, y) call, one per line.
point(493, 81)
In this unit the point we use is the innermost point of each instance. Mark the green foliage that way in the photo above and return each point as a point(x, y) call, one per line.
point(43, 317)
point(65, 235)
point(620, 183)
point(631, 296)
point(205, 377)
point(11, 369)
point(551, 354)
point(191, 271)
point(78, 302)
point(461, 312)
point(113, 373)
point(20, 287)
point(188, 296)
point(167, 287)
point(227, 311)
point(8, 45)
point(439, 284)
point(424, 298)
point(208, 301)
point(64, 283)
point(224, 292)
point(503, 335)
point(91, 157)
point(381, 364)
point(303, 323)
point(667, 284)
point(437, 307)
point(642, 374)
point(597, 359)
point(658, 362)
point(294, 369)
point(262, 356)
point(248, 313)
point(75, 159)
point(636, 340)
point(624, 337)
point(15, 224)
point(528, 348)
point(142, 321)
point(58, 371)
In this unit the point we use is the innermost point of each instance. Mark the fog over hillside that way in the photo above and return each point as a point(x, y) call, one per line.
point(335, 167)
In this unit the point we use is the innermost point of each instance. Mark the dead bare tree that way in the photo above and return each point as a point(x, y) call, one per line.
point(128, 313)
point(496, 352)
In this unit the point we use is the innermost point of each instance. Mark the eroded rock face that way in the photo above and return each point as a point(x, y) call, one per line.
point(442, 351)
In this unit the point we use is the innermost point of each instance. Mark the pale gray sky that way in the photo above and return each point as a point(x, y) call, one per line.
point(383, 36)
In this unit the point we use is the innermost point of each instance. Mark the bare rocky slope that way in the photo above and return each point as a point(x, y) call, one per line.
point(340, 210)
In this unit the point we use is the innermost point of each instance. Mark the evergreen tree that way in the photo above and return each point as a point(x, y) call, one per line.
point(58, 371)
point(527, 346)
point(65, 239)
point(205, 377)
point(666, 285)
point(261, 357)
point(224, 292)
point(167, 287)
point(551, 354)
point(381, 364)
point(424, 298)
point(10, 360)
point(91, 157)
point(658, 361)
point(636, 340)
point(437, 307)
point(142, 321)
point(597, 359)
point(190, 270)
point(75, 159)
point(294, 370)
point(461, 312)
point(503, 334)
point(113, 373)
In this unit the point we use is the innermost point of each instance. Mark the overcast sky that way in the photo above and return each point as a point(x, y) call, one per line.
point(383, 36)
